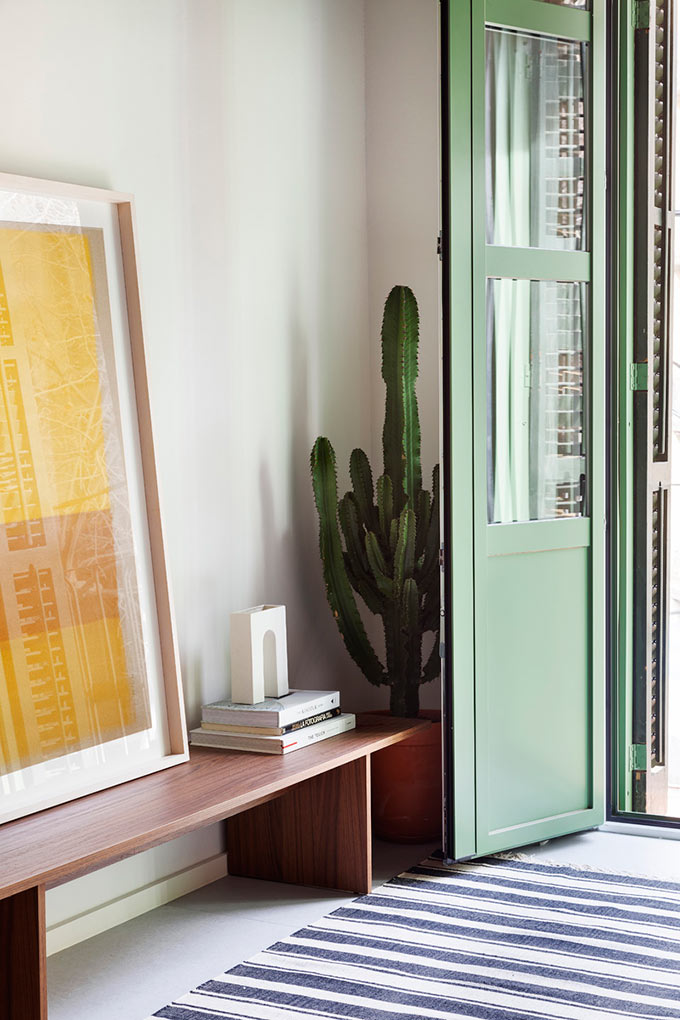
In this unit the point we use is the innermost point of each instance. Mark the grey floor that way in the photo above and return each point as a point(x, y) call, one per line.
point(131, 971)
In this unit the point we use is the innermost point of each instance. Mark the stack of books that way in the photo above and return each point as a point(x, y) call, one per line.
point(276, 725)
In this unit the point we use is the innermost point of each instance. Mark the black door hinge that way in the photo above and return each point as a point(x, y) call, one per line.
point(440, 246)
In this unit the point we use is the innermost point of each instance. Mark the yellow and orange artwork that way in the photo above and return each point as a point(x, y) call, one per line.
point(72, 669)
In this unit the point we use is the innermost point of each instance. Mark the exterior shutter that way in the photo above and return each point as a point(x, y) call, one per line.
point(652, 419)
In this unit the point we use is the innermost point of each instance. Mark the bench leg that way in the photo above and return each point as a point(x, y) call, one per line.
point(317, 833)
point(23, 984)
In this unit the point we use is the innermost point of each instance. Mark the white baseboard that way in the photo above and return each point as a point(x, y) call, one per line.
point(123, 908)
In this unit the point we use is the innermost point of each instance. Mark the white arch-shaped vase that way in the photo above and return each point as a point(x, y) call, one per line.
point(259, 654)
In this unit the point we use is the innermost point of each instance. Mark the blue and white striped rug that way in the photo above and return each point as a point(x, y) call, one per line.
point(497, 939)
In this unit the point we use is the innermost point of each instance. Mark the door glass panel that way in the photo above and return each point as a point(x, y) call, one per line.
point(536, 447)
point(535, 140)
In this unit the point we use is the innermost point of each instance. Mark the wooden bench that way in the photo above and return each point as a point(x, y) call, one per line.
point(303, 818)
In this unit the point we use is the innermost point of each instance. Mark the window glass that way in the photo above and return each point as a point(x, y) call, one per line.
point(536, 447)
point(535, 141)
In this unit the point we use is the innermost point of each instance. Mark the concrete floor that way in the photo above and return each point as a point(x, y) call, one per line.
point(131, 971)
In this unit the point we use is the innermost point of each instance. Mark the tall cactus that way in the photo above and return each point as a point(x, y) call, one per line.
point(382, 541)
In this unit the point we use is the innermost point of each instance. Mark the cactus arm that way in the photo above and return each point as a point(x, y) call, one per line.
point(401, 433)
point(428, 574)
point(404, 553)
point(362, 483)
point(356, 562)
point(433, 665)
point(423, 510)
point(378, 566)
point(394, 534)
point(348, 515)
point(434, 507)
point(430, 616)
point(432, 540)
point(364, 586)
point(385, 506)
point(435, 482)
point(393, 375)
point(413, 478)
point(410, 627)
point(410, 606)
point(338, 589)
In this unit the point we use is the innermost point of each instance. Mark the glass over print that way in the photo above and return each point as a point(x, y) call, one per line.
point(89, 695)
point(535, 137)
point(536, 450)
point(70, 627)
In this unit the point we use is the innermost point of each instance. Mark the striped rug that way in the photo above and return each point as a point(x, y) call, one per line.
point(494, 939)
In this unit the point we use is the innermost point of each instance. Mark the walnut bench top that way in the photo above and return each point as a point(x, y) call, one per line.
point(58, 844)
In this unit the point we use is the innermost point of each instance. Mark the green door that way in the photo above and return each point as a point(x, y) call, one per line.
point(527, 414)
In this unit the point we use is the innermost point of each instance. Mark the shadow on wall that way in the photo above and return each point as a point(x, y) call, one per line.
point(294, 551)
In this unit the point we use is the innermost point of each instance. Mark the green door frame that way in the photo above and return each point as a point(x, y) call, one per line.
point(461, 821)
point(471, 261)
point(621, 474)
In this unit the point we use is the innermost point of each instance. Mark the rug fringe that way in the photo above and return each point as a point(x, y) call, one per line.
point(517, 855)
point(551, 862)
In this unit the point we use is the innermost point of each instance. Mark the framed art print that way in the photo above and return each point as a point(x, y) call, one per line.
point(90, 693)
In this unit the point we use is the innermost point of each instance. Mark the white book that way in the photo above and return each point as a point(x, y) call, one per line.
point(272, 731)
point(282, 744)
point(276, 712)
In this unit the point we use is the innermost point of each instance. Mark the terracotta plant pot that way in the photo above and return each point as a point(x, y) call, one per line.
point(406, 782)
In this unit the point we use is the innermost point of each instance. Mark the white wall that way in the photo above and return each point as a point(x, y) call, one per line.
point(241, 127)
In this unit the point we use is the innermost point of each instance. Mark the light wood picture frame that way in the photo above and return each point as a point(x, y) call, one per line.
point(90, 686)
